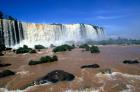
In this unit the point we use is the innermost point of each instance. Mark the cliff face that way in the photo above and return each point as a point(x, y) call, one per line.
point(14, 33)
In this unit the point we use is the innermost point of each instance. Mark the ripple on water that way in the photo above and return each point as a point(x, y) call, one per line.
point(123, 82)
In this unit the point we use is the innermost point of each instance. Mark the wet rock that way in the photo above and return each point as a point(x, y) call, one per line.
point(130, 61)
point(1, 54)
point(14, 50)
point(55, 76)
point(90, 66)
point(4, 65)
point(6, 73)
point(33, 51)
point(8, 48)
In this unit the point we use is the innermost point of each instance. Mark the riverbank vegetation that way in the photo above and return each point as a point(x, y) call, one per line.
point(92, 49)
point(118, 41)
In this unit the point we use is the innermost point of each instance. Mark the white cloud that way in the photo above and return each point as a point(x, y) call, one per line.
point(109, 17)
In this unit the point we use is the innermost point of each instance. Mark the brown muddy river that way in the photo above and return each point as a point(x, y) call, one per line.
point(124, 77)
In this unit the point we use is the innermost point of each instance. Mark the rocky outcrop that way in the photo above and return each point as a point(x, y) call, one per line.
point(6, 73)
point(4, 65)
point(130, 61)
point(55, 76)
point(90, 66)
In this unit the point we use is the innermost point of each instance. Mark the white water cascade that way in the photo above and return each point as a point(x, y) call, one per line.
point(16, 34)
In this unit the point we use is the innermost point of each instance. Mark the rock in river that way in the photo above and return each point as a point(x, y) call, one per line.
point(90, 66)
point(6, 73)
point(55, 76)
point(130, 61)
point(4, 65)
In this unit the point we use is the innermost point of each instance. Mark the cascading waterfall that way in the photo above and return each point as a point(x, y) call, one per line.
point(11, 32)
point(15, 34)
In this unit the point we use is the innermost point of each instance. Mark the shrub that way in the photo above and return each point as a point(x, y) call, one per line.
point(23, 49)
point(33, 62)
point(94, 49)
point(45, 59)
point(85, 46)
point(55, 58)
point(63, 48)
point(33, 51)
point(39, 47)
point(25, 46)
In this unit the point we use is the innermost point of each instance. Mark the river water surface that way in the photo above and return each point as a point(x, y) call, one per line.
point(124, 77)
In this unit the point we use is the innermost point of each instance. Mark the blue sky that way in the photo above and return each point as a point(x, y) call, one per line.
point(117, 17)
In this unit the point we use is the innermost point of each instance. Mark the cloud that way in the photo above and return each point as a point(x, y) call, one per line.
point(109, 17)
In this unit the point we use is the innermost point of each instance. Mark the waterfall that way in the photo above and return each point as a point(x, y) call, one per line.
point(15, 34)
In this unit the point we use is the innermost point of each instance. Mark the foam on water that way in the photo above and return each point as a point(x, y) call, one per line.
point(25, 90)
point(84, 90)
point(102, 77)
point(115, 74)
point(130, 89)
point(22, 73)
point(6, 90)
point(126, 79)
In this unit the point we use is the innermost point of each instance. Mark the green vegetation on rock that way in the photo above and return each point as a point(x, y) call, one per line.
point(92, 49)
point(34, 62)
point(23, 49)
point(45, 59)
point(55, 58)
point(64, 47)
point(33, 51)
point(39, 47)
point(85, 46)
